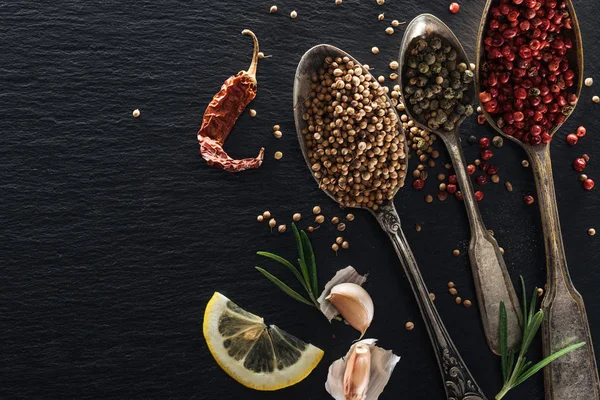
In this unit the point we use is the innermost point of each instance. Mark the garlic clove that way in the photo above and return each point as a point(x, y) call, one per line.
point(357, 372)
point(382, 364)
point(354, 304)
point(345, 275)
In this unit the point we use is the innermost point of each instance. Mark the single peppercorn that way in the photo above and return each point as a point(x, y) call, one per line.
point(484, 143)
point(451, 188)
point(486, 154)
point(335, 220)
point(272, 223)
point(481, 180)
point(452, 179)
point(418, 228)
point(341, 227)
point(495, 178)
point(528, 200)
point(525, 163)
point(479, 195)
point(470, 169)
point(581, 131)
point(428, 198)
point(579, 164)
point(335, 247)
point(572, 139)
point(582, 177)
point(418, 184)
point(454, 8)
point(498, 141)
point(588, 184)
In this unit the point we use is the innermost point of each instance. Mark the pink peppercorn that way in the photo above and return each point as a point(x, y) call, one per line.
point(454, 7)
point(528, 200)
point(452, 179)
point(451, 188)
point(418, 184)
point(581, 131)
point(579, 164)
point(572, 139)
point(481, 180)
point(478, 195)
point(486, 154)
point(484, 143)
point(470, 169)
point(588, 184)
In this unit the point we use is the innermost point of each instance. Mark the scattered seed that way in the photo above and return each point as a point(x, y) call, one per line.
point(278, 155)
point(501, 250)
point(273, 9)
point(591, 231)
point(261, 54)
point(380, 2)
point(335, 247)
point(281, 228)
point(335, 220)
point(525, 163)
point(393, 76)
point(380, 17)
point(498, 141)
point(136, 113)
point(588, 81)
point(529, 200)
point(350, 217)
point(293, 14)
point(458, 300)
point(316, 210)
point(441, 177)
point(456, 252)
point(432, 296)
point(319, 219)
point(338, 2)
point(429, 198)
point(442, 187)
point(409, 326)
point(310, 229)
point(277, 134)
point(540, 292)
point(418, 228)
point(296, 217)
point(375, 50)
point(467, 303)
point(389, 30)
point(381, 79)
point(272, 223)
point(339, 240)
point(341, 227)
point(267, 215)
point(596, 99)
point(276, 127)
point(582, 177)
point(345, 245)
point(260, 218)
point(252, 112)
point(508, 186)
point(453, 291)
point(448, 166)
point(450, 284)
point(396, 23)
point(394, 65)
point(588, 184)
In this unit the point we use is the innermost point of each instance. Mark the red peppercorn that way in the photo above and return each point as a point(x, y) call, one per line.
point(581, 131)
point(579, 164)
point(484, 143)
point(454, 7)
point(486, 154)
point(470, 169)
point(481, 180)
point(452, 179)
point(588, 184)
point(484, 166)
point(492, 170)
point(442, 196)
point(484, 97)
point(528, 200)
point(481, 119)
point(478, 195)
point(572, 139)
point(451, 188)
point(418, 184)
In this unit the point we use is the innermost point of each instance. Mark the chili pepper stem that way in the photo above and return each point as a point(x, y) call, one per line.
point(251, 73)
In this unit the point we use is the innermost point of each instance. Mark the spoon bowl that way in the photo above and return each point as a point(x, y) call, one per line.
point(458, 382)
point(492, 282)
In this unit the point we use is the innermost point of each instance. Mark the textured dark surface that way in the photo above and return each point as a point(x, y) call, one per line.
point(114, 233)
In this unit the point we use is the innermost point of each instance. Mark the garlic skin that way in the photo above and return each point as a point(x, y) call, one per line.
point(354, 304)
point(346, 379)
point(344, 275)
point(357, 373)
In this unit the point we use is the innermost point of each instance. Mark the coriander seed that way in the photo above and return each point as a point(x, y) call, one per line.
point(338, 2)
point(267, 215)
point(393, 76)
point(316, 210)
point(278, 134)
point(441, 177)
point(335, 220)
point(450, 284)
point(495, 178)
point(380, 2)
point(380, 17)
point(525, 163)
point(273, 9)
point(136, 113)
point(456, 252)
point(276, 128)
point(501, 250)
point(591, 231)
point(350, 217)
point(596, 99)
point(310, 229)
point(335, 247)
point(260, 218)
point(252, 112)
point(429, 198)
point(409, 326)
point(588, 81)
point(272, 223)
point(418, 228)
point(281, 228)
point(389, 30)
point(467, 303)
point(453, 291)
point(540, 292)
point(375, 50)
point(432, 296)
point(293, 14)
point(319, 219)
point(345, 245)
point(508, 186)
point(458, 300)
point(341, 227)
point(395, 23)
point(381, 79)
point(339, 240)
point(278, 155)
point(394, 65)
point(296, 217)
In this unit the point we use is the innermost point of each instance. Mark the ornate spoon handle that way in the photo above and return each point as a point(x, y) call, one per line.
point(575, 375)
point(458, 382)
point(492, 282)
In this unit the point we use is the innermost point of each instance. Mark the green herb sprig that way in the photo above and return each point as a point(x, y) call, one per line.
point(306, 274)
point(515, 373)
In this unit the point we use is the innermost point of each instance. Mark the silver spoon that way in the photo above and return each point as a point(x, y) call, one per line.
point(458, 382)
point(575, 375)
point(492, 282)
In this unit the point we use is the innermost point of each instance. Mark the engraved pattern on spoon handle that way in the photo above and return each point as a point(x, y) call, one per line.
point(492, 282)
point(458, 381)
point(575, 375)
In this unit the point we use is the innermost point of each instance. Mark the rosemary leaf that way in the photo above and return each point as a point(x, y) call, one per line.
point(300, 251)
point(309, 256)
point(285, 288)
point(547, 361)
point(304, 270)
point(525, 320)
point(503, 341)
point(511, 362)
point(531, 331)
point(288, 264)
point(532, 305)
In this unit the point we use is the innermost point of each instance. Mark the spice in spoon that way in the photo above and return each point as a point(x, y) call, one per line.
point(222, 113)
point(437, 83)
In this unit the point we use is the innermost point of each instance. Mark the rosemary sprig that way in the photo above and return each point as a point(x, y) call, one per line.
point(306, 274)
point(515, 373)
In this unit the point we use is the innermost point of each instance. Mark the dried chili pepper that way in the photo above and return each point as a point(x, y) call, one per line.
point(222, 113)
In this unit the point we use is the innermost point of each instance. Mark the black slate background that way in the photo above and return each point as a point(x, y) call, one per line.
point(114, 233)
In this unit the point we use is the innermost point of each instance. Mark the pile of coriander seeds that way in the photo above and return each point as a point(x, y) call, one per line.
point(437, 84)
point(353, 135)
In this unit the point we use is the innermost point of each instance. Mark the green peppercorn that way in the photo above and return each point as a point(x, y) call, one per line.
point(462, 67)
point(423, 68)
point(435, 43)
point(452, 55)
point(412, 62)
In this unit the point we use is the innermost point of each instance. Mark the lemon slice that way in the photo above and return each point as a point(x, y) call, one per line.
point(257, 356)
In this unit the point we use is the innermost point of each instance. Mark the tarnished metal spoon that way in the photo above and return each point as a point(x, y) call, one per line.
point(575, 375)
point(492, 282)
point(458, 382)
